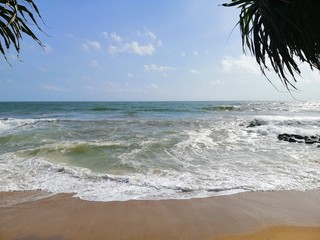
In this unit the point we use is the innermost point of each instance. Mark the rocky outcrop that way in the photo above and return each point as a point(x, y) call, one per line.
point(299, 138)
point(255, 123)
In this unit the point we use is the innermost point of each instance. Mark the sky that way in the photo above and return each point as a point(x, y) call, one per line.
point(124, 50)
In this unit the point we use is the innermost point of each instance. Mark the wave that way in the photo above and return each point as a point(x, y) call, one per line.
point(221, 108)
point(215, 175)
point(7, 124)
point(72, 147)
point(286, 121)
point(80, 148)
point(39, 174)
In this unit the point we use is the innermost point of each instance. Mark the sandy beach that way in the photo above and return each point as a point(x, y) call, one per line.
point(261, 215)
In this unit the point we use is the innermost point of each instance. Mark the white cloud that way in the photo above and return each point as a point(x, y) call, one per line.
point(130, 75)
point(183, 54)
point(105, 34)
point(84, 46)
point(214, 82)
point(136, 48)
point(157, 68)
point(94, 44)
point(88, 87)
point(248, 64)
point(195, 53)
point(150, 34)
point(242, 63)
point(91, 45)
point(119, 45)
point(94, 64)
point(51, 87)
point(154, 86)
point(113, 49)
point(153, 37)
point(195, 72)
point(116, 37)
point(133, 48)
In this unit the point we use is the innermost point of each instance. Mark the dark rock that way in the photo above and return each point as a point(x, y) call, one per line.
point(310, 141)
point(254, 123)
point(292, 140)
point(286, 137)
point(299, 138)
point(283, 137)
point(61, 169)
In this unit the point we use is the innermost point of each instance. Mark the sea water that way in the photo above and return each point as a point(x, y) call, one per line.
point(106, 151)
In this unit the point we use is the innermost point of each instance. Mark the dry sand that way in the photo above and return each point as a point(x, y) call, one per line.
point(263, 215)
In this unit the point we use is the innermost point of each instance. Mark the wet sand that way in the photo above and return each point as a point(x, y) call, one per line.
point(262, 215)
point(278, 233)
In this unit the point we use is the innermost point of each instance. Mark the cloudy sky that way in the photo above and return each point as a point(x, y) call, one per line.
point(124, 50)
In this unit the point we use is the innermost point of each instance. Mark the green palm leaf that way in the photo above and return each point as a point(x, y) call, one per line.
point(15, 19)
point(281, 31)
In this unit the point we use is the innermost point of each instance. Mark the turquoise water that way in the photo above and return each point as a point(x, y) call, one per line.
point(156, 150)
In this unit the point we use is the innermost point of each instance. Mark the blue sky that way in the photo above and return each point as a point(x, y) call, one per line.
point(124, 50)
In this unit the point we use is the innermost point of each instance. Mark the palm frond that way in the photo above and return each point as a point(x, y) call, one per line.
point(15, 19)
point(281, 31)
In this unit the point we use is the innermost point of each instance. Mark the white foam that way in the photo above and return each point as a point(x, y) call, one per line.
point(10, 124)
point(222, 178)
point(273, 125)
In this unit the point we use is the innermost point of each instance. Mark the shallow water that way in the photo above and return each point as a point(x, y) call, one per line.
point(107, 151)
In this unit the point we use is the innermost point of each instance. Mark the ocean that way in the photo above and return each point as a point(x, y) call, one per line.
point(117, 151)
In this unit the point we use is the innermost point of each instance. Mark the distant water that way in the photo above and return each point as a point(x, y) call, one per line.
point(106, 151)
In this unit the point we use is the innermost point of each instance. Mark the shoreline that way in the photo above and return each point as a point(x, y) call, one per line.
point(40, 215)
